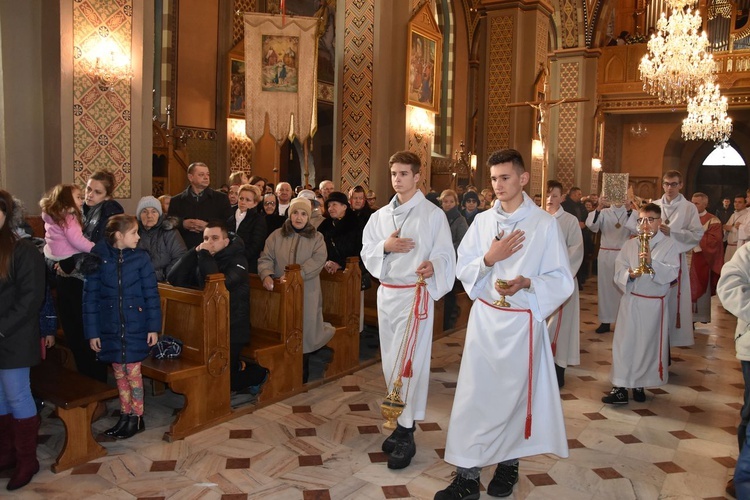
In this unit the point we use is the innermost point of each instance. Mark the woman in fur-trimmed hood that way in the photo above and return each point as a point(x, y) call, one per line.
point(298, 242)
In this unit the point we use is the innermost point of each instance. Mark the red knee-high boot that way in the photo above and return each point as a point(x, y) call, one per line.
point(25, 434)
point(7, 450)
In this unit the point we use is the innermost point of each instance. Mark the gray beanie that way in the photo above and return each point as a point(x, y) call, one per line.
point(148, 202)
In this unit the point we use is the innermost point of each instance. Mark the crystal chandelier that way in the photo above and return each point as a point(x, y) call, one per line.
point(707, 116)
point(677, 62)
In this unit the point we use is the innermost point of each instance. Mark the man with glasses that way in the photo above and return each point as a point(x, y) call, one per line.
point(372, 200)
point(639, 347)
point(681, 223)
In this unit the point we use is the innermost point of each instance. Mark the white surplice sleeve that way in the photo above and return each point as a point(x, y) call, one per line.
point(691, 232)
point(373, 243)
point(553, 284)
point(442, 256)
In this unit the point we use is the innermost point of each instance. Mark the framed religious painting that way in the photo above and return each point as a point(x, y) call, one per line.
point(236, 88)
point(423, 60)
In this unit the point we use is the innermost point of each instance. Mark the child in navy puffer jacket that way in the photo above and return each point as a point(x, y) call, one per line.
point(122, 315)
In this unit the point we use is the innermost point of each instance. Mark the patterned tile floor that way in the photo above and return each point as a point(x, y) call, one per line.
point(325, 444)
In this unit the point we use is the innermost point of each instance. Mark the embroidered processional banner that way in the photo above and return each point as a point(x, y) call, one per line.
point(281, 60)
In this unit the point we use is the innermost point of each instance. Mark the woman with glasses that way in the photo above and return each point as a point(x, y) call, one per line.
point(273, 219)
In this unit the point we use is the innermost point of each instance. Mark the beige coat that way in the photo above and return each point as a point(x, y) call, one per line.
point(308, 249)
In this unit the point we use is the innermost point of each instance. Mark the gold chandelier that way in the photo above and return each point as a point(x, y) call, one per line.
point(677, 62)
point(707, 116)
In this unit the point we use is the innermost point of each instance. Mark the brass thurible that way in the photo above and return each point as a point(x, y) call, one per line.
point(499, 283)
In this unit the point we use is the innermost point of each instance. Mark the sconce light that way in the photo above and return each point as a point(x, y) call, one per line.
point(106, 62)
point(473, 162)
point(421, 124)
point(596, 165)
point(537, 149)
point(237, 130)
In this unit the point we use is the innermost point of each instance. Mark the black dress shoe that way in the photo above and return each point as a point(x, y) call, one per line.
point(603, 328)
point(560, 373)
point(118, 426)
point(131, 428)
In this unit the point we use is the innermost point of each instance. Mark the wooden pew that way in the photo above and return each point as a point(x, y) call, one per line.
point(75, 397)
point(341, 292)
point(200, 318)
point(276, 332)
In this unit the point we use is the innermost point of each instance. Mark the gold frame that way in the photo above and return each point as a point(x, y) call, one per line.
point(230, 112)
point(422, 26)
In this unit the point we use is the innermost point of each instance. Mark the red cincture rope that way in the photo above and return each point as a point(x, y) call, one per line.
point(421, 303)
point(527, 428)
point(661, 329)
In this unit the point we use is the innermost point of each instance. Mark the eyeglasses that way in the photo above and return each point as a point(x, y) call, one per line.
point(268, 203)
point(670, 184)
point(371, 199)
point(641, 220)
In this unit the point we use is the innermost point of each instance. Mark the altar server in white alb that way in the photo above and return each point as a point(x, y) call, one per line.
point(734, 229)
point(507, 403)
point(681, 223)
point(611, 221)
point(408, 238)
point(639, 347)
point(564, 325)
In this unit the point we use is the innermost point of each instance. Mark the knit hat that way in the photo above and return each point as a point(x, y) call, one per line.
point(148, 202)
point(471, 195)
point(300, 204)
point(337, 196)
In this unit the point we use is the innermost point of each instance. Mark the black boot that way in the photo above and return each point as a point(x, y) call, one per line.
point(402, 454)
point(398, 434)
point(118, 426)
point(560, 372)
point(305, 367)
point(134, 425)
point(603, 328)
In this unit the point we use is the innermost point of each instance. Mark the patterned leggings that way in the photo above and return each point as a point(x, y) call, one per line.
point(130, 385)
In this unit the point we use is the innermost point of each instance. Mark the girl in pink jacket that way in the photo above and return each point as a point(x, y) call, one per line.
point(63, 226)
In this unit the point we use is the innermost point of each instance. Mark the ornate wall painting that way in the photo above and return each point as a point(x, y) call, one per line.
point(423, 60)
point(236, 88)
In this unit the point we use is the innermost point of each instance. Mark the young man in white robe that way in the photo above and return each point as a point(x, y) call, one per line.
point(681, 223)
point(406, 239)
point(639, 348)
point(611, 222)
point(734, 227)
point(506, 373)
point(564, 325)
point(734, 293)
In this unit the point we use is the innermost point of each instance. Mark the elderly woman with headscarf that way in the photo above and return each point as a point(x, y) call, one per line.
point(159, 236)
point(298, 242)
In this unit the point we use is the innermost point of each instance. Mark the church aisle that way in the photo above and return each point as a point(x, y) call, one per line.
point(325, 444)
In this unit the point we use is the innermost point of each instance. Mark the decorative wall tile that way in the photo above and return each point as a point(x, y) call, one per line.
point(101, 116)
point(356, 126)
point(567, 125)
point(500, 77)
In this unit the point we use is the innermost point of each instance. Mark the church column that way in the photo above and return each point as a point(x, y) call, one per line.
point(573, 75)
point(516, 35)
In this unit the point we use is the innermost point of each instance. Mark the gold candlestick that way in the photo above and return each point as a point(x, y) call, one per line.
point(499, 283)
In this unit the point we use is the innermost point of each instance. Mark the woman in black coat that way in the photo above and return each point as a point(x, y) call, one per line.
point(341, 231)
point(97, 210)
point(247, 223)
point(270, 208)
point(21, 295)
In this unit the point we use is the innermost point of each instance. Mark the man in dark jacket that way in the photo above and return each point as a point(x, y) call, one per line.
point(198, 204)
point(218, 253)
